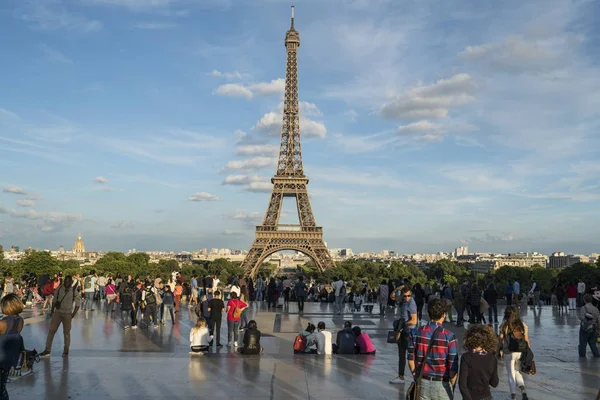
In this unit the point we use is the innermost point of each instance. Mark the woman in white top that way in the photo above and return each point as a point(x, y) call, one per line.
point(199, 337)
point(514, 339)
point(323, 339)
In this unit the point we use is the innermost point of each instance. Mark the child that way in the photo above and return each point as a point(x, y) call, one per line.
point(362, 343)
point(199, 337)
point(478, 365)
point(358, 299)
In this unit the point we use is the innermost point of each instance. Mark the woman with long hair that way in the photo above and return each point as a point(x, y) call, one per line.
point(514, 339)
point(244, 298)
point(199, 337)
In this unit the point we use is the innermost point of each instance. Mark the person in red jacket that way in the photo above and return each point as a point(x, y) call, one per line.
point(572, 295)
point(48, 292)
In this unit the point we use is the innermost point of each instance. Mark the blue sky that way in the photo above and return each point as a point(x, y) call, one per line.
point(426, 125)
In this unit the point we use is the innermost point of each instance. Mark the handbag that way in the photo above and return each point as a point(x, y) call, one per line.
point(391, 337)
point(414, 390)
point(237, 313)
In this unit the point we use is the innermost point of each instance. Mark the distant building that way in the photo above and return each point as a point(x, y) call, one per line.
point(385, 253)
point(346, 252)
point(559, 260)
point(461, 251)
point(79, 247)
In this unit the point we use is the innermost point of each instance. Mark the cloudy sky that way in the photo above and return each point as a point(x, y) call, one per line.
point(426, 124)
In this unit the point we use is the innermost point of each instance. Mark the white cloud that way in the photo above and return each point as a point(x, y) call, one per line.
point(351, 114)
point(271, 122)
point(257, 149)
point(100, 179)
point(228, 232)
point(420, 127)
point(310, 109)
point(229, 75)
point(9, 114)
point(249, 219)
point(202, 196)
point(123, 224)
point(241, 179)
point(262, 187)
point(13, 189)
point(234, 90)
point(431, 101)
point(26, 203)
point(251, 163)
point(276, 86)
point(49, 221)
point(55, 55)
point(53, 16)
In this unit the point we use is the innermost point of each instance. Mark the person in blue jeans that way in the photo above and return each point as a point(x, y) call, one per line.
point(408, 319)
point(589, 328)
point(167, 305)
point(508, 292)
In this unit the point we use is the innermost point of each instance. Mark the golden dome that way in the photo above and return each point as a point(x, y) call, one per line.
point(79, 246)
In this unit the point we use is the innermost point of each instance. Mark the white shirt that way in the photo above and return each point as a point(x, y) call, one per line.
point(533, 287)
point(323, 339)
point(581, 287)
point(199, 337)
point(216, 284)
point(235, 289)
point(516, 287)
point(102, 281)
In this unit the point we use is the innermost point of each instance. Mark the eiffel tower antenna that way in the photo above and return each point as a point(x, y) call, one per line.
point(289, 181)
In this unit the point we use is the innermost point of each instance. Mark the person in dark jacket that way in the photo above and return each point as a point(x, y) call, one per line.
point(344, 343)
point(251, 340)
point(475, 304)
point(478, 365)
point(300, 291)
point(271, 293)
point(491, 295)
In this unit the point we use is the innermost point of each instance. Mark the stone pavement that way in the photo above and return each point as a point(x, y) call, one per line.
point(106, 362)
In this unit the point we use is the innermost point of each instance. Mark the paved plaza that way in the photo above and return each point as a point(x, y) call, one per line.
point(105, 362)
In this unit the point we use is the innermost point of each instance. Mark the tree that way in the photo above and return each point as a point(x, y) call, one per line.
point(2, 261)
point(140, 260)
point(40, 262)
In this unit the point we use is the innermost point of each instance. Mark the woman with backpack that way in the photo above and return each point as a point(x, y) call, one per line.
point(306, 342)
point(514, 340)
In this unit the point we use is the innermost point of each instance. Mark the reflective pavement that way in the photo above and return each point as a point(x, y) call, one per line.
point(106, 362)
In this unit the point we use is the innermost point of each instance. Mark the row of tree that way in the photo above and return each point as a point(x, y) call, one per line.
point(354, 272)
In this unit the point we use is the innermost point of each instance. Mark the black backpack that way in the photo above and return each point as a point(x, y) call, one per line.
point(516, 341)
point(150, 297)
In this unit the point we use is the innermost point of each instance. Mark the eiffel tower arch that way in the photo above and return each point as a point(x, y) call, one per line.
point(289, 181)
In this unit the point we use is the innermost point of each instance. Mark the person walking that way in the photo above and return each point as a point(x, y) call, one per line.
point(383, 293)
point(89, 288)
point(514, 340)
point(168, 300)
point(508, 293)
point(234, 312)
point(589, 328)
point(580, 293)
point(448, 297)
point(491, 296)
point(62, 313)
point(478, 365)
point(535, 291)
point(439, 371)
point(406, 323)
point(300, 290)
point(216, 307)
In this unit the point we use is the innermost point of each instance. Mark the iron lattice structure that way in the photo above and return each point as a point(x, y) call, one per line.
point(289, 181)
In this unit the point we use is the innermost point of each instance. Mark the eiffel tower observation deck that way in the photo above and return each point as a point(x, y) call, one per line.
point(289, 181)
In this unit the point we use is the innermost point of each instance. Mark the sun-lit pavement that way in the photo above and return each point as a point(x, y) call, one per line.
point(106, 362)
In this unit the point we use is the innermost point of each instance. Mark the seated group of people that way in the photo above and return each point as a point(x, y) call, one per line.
point(200, 338)
point(348, 341)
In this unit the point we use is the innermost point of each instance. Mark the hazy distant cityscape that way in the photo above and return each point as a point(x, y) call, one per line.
point(479, 262)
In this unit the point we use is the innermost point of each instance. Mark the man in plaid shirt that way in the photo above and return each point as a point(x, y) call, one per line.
point(441, 368)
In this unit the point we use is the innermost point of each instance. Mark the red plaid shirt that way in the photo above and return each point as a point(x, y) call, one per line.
point(443, 360)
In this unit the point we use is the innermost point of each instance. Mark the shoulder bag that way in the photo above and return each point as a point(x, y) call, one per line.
point(414, 390)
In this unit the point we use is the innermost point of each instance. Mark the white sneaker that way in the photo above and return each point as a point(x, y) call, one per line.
point(234, 344)
point(397, 380)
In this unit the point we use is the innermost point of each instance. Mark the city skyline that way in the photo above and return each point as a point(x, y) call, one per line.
point(155, 125)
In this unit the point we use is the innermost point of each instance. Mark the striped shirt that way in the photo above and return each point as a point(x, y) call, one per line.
point(443, 360)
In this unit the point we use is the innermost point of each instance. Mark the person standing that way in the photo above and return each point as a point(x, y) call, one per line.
point(244, 297)
point(580, 292)
point(260, 288)
point(419, 297)
point(300, 290)
point(491, 296)
point(234, 310)
point(271, 293)
point(589, 328)
point(516, 293)
point(383, 293)
point(62, 313)
point(149, 299)
point(177, 293)
point(448, 297)
point(194, 294)
point(89, 288)
point(535, 291)
point(216, 307)
point(406, 323)
point(508, 293)
point(439, 371)
point(339, 289)
point(514, 339)
point(475, 304)
point(572, 296)
point(101, 287)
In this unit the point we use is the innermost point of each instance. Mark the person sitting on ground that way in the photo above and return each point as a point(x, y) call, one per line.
point(251, 340)
point(323, 339)
point(344, 343)
point(199, 337)
point(478, 365)
point(363, 342)
point(310, 346)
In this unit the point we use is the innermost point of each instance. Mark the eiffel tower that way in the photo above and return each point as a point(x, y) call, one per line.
point(289, 181)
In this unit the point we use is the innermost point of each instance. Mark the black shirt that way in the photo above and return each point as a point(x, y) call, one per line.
point(216, 307)
point(477, 373)
point(251, 342)
point(345, 341)
point(490, 295)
